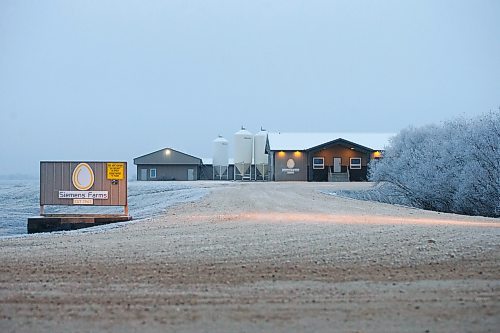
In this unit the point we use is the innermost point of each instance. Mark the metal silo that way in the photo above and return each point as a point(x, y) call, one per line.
point(243, 148)
point(261, 158)
point(220, 157)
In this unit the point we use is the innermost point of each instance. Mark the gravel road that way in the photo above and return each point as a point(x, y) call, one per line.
point(260, 257)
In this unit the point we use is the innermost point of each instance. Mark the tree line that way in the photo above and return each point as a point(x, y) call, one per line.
point(452, 167)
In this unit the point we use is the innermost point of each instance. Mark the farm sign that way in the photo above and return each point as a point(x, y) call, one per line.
point(83, 183)
point(290, 167)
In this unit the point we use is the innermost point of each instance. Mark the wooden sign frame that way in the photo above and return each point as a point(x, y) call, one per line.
point(73, 183)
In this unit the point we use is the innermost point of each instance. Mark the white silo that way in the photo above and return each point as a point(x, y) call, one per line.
point(220, 157)
point(243, 148)
point(261, 159)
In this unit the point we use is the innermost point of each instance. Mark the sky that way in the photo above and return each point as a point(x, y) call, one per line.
point(89, 80)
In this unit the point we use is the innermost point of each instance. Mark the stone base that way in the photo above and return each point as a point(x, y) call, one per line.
point(59, 222)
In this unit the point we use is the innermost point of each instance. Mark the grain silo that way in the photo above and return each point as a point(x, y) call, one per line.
point(261, 158)
point(220, 157)
point(243, 148)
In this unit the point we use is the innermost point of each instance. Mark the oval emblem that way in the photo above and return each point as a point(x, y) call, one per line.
point(83, 177)
point(290, 163)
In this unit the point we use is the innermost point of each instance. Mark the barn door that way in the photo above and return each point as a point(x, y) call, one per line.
point(190, 174)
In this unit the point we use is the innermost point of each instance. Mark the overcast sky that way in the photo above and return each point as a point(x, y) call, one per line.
point(113, 80)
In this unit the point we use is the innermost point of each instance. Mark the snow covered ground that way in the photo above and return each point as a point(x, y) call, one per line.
point(385, 193)
point(19, 199)
point(259, 257)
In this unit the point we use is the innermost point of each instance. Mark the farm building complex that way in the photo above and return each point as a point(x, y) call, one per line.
point(271, 156)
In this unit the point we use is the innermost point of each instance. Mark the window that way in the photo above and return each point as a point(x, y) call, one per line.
point(152, 173)
point(355, 163)
point(318, 162)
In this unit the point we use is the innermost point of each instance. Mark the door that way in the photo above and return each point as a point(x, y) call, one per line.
point(337, 164)
point(144, 174)
point(190, 174)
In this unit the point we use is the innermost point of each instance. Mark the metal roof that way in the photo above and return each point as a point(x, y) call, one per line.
point(167, 156)
point(210, 161)
point(305, 141)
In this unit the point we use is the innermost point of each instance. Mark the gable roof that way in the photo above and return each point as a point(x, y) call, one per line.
point(306, 141)
point(342, 142)
point(167, 156)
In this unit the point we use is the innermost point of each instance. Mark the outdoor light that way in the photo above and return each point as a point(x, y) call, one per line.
point(281, 154)
point(167, 152)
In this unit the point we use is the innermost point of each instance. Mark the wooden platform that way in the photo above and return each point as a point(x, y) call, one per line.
point(59, 222)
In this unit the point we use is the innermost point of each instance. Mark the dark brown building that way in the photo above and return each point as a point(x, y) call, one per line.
point(323, 157)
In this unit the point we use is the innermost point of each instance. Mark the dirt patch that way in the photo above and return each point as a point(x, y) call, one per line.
point(254, 257)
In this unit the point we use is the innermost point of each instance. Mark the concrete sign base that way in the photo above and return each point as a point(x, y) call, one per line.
point(59, 222)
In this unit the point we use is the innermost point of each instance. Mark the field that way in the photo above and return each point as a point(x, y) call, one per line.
point(260, 257)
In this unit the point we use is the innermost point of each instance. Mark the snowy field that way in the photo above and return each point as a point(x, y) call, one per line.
point(19, 199)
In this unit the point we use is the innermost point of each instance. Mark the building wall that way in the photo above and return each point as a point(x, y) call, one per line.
point(179, 172)
point(284, 172)
point(339, 151)
point(168, 172)
point(206, 172)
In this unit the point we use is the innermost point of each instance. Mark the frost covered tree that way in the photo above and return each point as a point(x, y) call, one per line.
point(478, 189)
point(454, 167)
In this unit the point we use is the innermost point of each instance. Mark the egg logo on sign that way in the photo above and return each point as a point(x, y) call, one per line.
point(290, 163)
point(83, 177)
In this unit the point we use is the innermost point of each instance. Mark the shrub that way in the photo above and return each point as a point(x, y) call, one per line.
point(454, 167)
